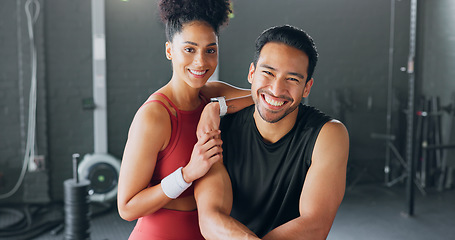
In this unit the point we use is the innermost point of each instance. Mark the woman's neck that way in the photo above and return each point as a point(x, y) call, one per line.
point(183, 96)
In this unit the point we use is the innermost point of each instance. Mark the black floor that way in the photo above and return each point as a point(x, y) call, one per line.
point(374, 211)
point(48, 223)
point(368, 211)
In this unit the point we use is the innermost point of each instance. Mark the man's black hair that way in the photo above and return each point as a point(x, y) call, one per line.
point(290, 36)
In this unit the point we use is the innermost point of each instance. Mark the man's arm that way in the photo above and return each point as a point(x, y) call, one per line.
point(323, 189)
point(213, 195)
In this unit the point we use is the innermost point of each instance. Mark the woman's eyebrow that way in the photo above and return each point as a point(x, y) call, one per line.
point(195, 44)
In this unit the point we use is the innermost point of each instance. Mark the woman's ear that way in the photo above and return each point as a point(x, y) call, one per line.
point(168, 50)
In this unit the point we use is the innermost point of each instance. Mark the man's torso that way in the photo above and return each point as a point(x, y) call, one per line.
point(267, 179)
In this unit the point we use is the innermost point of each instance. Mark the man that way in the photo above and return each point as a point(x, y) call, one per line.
point(286, 161)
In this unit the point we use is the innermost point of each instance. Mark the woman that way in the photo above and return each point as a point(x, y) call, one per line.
point(163, 156)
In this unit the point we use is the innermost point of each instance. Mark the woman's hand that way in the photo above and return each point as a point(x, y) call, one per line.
point(210, 119)
point(206, 152)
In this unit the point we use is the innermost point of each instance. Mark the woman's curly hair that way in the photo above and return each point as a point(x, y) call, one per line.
point(175, 13)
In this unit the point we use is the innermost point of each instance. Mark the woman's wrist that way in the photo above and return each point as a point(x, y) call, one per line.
point(186, 176)
point(174, 184)
point(220, 103)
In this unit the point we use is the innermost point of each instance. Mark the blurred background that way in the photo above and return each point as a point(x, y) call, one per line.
point(73, 74)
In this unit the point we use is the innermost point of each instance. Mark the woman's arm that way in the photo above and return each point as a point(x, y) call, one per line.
point(144, 142)
point(236, 98)
point(219, 88)
point(149, 134)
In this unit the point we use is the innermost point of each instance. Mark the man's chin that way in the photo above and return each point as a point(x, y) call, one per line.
point(270, 117)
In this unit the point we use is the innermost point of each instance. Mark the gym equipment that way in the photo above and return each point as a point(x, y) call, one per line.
point(102, 171)
point(100, 168)
point(432, 153)
point(407, 161)
point(410, 111)
point(77, 207)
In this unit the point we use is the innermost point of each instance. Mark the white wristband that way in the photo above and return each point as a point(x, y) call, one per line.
point(173, 185)
point(223, 105)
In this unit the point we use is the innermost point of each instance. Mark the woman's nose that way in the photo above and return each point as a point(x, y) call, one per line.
point(199, 59)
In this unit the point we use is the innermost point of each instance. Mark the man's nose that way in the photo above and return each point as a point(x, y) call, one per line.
point(278, 86)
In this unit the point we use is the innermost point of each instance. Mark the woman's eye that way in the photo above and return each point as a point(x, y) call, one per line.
point(189, 50)
point(211, 51)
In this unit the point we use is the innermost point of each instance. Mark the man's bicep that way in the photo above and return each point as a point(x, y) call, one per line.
point(213, 192)
point(324, 185)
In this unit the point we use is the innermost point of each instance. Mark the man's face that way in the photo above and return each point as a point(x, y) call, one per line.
point(278, 82)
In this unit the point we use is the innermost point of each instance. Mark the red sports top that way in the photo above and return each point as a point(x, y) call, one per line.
point(183, 138)
point(162, 224)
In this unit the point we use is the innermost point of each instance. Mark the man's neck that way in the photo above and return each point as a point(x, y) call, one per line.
point(273, 132)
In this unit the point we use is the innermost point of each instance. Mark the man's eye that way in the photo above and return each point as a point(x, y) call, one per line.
point(268, 73)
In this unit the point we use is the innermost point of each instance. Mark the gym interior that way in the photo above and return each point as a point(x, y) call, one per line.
point(73, 74)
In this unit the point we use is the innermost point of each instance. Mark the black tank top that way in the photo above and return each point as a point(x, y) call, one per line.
point(267, 179)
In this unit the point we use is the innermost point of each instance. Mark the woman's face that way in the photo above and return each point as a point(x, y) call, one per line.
point(194, 53)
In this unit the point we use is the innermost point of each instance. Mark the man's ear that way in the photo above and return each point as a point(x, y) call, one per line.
point(251, 73)
point(307, 89)
point(168, 50)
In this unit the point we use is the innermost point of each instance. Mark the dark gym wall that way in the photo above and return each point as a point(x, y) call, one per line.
point(69, 79)
point(136, 67)
point(136, 63)
point(351, 77)
point(11, 144)
point(437, 55)
point(15, 75)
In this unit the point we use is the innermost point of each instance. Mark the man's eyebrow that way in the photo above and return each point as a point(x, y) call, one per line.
point(290, 73)
point(297, 74)
point(267, 66)
point(195, 44)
